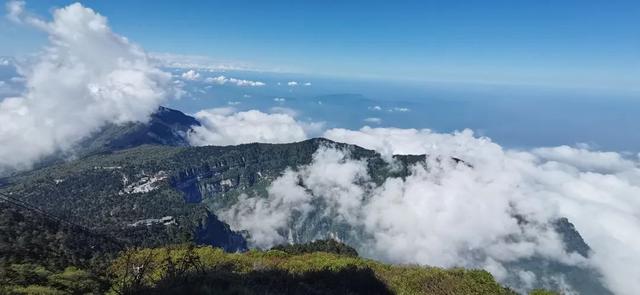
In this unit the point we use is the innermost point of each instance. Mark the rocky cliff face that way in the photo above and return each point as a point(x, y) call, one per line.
point(216, 233)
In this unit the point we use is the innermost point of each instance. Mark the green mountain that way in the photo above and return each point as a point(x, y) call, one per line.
point(139, 185)
point(164, 127)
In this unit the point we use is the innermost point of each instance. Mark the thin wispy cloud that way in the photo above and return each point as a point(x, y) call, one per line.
point(203, 63)
point(222, 80)
point(372, 120)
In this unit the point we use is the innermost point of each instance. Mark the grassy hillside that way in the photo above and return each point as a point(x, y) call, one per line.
point(206, 270)
point(321, 267)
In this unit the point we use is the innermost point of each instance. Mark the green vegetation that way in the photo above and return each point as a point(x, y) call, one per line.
point(320, 267)
point(196, 183)
point(206, 270)
point(36, 279)
point(27, 237)
point(328, 246)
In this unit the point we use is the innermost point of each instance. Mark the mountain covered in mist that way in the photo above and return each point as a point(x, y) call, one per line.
point(140, 184)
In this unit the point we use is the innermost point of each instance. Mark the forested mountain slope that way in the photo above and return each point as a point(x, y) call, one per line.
point(158, 195)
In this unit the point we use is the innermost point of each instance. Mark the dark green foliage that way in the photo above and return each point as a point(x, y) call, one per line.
point(89, 191)
point(30, 237)
point(350, 280)
point(328, 246)
point(204, 270)
point(36, 279)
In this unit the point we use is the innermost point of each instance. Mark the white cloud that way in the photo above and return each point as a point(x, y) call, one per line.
point(373, 120)
point(204, 63)
point(6, 61)
point(15, 10)
point(307, 84)
point(267, 219)
point(584, 159)
point(224, 127)
point(86, 77)
point(190, 75)
point(279, 99)
point(375, 108)
point(233, 103)
point(292, 83)
point(17, 79)
point(597, 191)
point(238, 82)
point(283, 110)
point(452, 214)
point(399, 109)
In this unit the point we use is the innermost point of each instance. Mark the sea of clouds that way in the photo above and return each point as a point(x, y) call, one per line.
point(89, 76)
point(438, 216)
point(441, 215)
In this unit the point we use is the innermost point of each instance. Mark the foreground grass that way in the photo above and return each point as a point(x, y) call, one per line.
point(206, 270)
point(321, 267)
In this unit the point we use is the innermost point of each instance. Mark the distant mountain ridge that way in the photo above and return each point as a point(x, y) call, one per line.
point(165, 127)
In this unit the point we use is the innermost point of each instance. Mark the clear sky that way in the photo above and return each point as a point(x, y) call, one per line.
point(561, 43)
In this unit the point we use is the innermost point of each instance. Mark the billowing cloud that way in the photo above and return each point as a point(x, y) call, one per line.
point(279, 99)
point(190, 75)
point(86, 77)
point(292, 83)
point(223, 126)
point(452, 214)
point(238, 82)
point(331, 175)
point(307, 84)
point(597, 191)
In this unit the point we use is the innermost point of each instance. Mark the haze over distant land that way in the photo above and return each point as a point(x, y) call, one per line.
point(513, 171)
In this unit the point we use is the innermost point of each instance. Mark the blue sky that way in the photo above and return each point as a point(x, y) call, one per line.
point(524, 73)
point(575, 44)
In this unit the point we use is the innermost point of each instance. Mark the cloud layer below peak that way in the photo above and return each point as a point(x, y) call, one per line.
point(461, 210)
point(224, 126)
